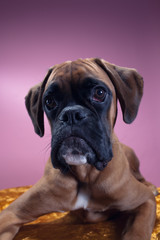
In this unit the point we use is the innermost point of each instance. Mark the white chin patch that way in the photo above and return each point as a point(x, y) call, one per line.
point(75, 159)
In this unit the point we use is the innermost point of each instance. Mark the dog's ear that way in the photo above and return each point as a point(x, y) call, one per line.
point(33, 102)
point(128, 85)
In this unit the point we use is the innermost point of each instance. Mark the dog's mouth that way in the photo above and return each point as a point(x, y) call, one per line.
point(75, 151)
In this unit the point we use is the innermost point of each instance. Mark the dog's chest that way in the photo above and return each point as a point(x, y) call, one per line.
point(82, 200)
point(85, 200)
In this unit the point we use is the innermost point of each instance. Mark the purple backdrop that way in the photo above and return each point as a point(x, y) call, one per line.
point(38, 34)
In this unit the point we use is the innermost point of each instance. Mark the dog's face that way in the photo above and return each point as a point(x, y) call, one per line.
point(79, 99)
point(76, 102)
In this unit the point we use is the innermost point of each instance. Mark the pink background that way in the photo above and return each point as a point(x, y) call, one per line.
point(35, 35)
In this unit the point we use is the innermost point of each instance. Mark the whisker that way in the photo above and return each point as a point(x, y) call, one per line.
point(47, 148)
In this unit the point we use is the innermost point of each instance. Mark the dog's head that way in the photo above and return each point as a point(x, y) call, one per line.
point(80, 101)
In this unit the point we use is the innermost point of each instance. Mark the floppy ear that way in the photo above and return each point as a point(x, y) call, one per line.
point(33, 102)
point(128, 85)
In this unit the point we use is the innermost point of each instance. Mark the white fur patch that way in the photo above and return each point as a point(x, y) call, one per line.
point(82, 199)
point(75, 159)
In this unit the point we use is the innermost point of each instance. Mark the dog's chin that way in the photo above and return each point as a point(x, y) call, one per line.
point(74, 159)
point(75, 151)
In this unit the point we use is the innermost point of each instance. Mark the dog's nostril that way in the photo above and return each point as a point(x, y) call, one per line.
point(65, 118)
point(79, 116)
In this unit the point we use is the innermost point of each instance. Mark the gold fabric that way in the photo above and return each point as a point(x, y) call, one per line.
point(67, 226)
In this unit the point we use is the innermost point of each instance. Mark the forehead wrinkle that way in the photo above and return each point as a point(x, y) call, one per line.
point(98, 73)
point(61, 75)
point(80, 71)
point(89, 63)
point(72, 73)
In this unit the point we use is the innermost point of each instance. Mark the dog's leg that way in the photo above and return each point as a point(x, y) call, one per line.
point(134, 167)
point(138, 203)
point(48, 195)
point(140, 224)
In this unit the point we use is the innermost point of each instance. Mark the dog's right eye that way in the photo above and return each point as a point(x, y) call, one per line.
point(50, 102)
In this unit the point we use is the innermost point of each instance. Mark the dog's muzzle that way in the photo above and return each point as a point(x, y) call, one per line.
point(72, 143)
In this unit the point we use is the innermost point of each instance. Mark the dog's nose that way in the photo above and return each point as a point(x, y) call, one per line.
point(72, 115)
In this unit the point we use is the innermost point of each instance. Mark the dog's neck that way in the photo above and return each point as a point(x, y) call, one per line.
point(85, 173)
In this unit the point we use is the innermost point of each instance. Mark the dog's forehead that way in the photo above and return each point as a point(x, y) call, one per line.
point(75, 72)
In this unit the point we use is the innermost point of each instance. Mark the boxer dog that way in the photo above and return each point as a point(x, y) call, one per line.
point(89, 169)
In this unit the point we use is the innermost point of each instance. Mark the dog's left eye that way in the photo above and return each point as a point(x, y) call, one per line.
point(50, 102)
point(99, 94)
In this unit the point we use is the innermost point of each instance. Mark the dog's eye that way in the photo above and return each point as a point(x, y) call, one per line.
point(50, 102)
point(99, 94)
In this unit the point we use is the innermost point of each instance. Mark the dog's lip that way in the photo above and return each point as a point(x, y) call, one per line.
point(74, 137)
